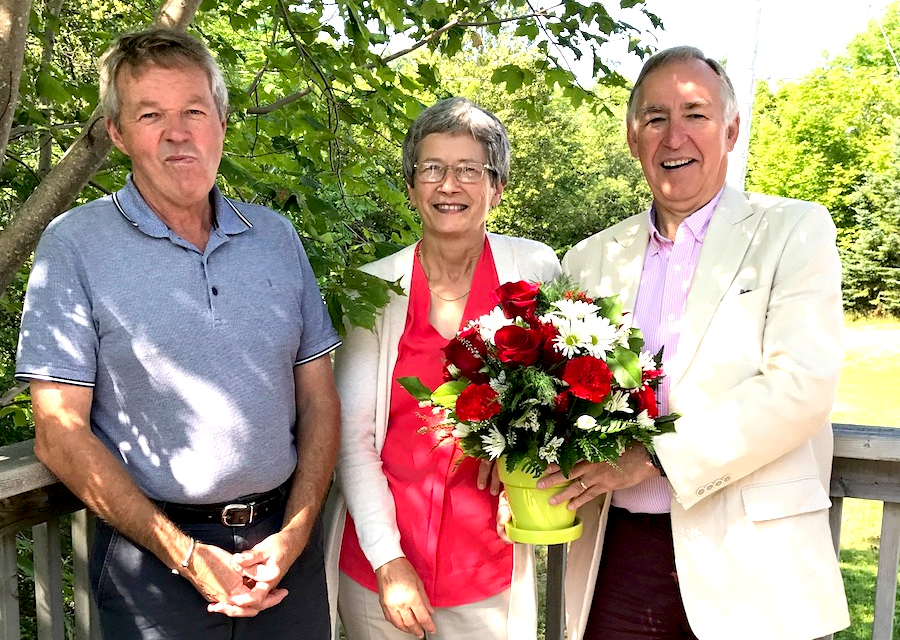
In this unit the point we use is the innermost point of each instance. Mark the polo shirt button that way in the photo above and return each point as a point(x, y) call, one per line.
point(215, 291)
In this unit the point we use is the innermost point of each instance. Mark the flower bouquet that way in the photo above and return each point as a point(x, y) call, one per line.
point(548, 376)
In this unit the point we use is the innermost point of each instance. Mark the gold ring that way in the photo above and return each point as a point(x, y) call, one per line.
point(583, 485)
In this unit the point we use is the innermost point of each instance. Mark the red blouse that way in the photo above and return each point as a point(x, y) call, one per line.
point(447, 524)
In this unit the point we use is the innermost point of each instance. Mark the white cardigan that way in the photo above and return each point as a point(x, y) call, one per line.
point(363, 370)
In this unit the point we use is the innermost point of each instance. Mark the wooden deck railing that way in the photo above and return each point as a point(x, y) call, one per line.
point(866, 465)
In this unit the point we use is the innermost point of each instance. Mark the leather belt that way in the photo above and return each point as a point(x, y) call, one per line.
point(239, 513)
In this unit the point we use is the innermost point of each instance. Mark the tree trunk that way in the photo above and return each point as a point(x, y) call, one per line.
point(13, 31)
point(60, 187)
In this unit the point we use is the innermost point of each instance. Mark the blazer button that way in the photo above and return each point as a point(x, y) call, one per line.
point(719, 482)
point(710, 486)
point(701, 491)
point(726, 479)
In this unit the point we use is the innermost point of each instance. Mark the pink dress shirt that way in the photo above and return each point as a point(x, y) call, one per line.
point(665, 283)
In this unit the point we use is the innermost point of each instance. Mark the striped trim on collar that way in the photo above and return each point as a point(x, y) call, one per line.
point(115, 199)
point(237, 211)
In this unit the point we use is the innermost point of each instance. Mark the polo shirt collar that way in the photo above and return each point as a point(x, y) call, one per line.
point(131, 204)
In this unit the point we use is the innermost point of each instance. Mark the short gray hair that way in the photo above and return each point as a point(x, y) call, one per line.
point(685, 54)
point(459, 116)
point(159, 46)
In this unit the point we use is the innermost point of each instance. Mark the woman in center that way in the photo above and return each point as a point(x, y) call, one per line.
point(419, 550)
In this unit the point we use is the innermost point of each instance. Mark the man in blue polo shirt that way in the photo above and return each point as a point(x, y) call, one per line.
point(177, 347)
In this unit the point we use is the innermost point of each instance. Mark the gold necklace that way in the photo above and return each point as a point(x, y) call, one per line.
point(433, 292)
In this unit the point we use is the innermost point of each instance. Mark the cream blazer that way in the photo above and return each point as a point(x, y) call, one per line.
point(363, 370)
point(750, 462)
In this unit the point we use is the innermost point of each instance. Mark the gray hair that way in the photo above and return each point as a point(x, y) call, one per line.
point(459, 116)
point(685, 54)
point(159, 46)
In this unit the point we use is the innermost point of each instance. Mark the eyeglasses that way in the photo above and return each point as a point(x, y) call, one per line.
point(466, 172)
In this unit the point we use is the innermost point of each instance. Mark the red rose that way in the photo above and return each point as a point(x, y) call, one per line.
point(549, 333)
point(477, 402)
point(517, 299)
point(517, 345)
point(467, 352)
point(588, 377)
point(646, 399)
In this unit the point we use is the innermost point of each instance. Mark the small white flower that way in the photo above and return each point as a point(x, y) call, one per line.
point(424, 404)
point(617, 401)
point(586, 422)
point(550, 451)
point(644, 419)
point(462, 430)
point(493, 442)
point(453, 370)
point(574, 309)
point(572, 340)
point(600, 336)
point(491, 323)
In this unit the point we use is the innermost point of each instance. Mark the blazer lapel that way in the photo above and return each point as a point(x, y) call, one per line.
point(731, 229)
point(625, 255)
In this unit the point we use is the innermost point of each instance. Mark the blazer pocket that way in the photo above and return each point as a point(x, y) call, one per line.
point(783, 499)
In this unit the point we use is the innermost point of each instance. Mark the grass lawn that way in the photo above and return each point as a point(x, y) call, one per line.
point(872, 357)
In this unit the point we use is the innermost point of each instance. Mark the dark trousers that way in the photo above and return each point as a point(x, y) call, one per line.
point(637, 597)
point(139, 598)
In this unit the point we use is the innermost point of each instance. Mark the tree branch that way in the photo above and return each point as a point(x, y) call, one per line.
point(13, 32)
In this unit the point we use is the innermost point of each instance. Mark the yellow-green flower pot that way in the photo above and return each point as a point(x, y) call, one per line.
point(534, 519)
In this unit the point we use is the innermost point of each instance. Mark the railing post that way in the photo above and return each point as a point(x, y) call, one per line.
point(555, 619)
point(87, 623)
point(886, 585)
point(48, 582)
point(9, 588)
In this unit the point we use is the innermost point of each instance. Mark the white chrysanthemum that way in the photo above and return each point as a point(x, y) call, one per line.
point(644, 419)
point(491, 323)
point(645, 359)
point(574, 309)
point(493, 443)
point(617, 401)
point(550, 451)
point(462, 430)
point(600, 336)
point(586, 422)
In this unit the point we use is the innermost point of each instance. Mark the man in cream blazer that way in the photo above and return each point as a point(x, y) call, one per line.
point(756, 329)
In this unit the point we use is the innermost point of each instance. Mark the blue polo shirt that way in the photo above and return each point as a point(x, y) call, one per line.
point(190, 354)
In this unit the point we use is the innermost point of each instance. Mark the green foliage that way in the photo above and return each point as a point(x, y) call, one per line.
point(831, 138)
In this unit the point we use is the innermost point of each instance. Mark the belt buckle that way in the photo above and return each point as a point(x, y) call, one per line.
point(237, 515)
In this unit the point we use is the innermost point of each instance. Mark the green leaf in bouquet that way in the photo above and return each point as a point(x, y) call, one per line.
point(415, 388)
point(625, 367)
point(666, 424)
point(446, 394)
point(610, 308)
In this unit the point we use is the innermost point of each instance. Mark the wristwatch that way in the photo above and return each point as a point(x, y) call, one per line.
point(654, 460)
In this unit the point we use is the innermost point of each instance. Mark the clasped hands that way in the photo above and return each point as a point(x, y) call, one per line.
point(241, 585)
